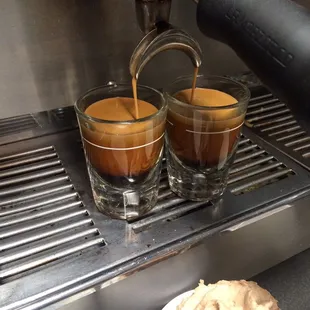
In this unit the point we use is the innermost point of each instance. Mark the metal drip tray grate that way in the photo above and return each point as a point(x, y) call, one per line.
point(17, 124)
point(51, 229)
point(272, 120)
point(42, 218)
point(253, 169)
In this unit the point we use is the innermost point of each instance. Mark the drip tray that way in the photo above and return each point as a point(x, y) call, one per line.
point(55, 244)
point(272, 120)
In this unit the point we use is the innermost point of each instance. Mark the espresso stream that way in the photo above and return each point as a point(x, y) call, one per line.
point(194, 84)
point(204, 138)
point(122, 150)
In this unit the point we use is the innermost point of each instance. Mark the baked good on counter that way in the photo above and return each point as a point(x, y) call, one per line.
point(229, 295)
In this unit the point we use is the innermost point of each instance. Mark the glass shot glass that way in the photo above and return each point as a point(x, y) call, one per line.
point(123, 157)
point(202, 137)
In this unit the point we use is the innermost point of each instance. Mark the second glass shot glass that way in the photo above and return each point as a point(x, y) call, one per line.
point(201, 140)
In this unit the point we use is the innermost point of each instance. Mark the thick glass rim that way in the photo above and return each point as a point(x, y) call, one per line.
point(140, 120)
point(244, 99)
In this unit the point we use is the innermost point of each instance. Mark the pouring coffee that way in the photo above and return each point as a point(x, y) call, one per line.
point(163, 37)
point(203, 124)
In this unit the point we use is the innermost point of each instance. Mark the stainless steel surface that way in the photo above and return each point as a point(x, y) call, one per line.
point(151, 12)
point(273, 121)
point(52, 51)
point(42, 217)
point(231, 255)
point(33, 125)
point(17, 124)
point(47, 212)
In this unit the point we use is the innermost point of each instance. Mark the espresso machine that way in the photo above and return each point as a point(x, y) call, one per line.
point(57, 250)
point(275, 47)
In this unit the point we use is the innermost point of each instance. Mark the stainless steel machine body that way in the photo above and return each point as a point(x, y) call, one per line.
point(54, 50)
point(56, 250)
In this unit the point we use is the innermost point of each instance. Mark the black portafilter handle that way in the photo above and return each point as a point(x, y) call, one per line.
point(272, 37)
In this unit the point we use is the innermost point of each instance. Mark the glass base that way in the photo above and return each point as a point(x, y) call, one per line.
point(125, 203)
point(195, 185)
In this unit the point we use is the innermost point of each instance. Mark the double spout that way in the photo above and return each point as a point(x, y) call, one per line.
point(153, 19)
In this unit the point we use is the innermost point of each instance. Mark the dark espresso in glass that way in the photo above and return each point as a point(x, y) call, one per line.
point(123, 155)
point(123, 147)
point(203, 129)
point(208, 138)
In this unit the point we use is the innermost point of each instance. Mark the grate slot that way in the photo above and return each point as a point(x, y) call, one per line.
point(18, 117)
point(6, 245)
point(174, 212)
point(249, 156)
point(248, 174)
point(262, 103)
point(21, 170)
point(294, 135)
point(34, 185)
point(41, 204)
point(28, 153)
point(243, 141)
point(281, 125)
point(306, 155)
point(265, 109)
point(286, 130)
point(246, 148)
point(262, 181)
point(9, 129)
point(50, 258)
point(298, 141)
point(36, 225)
point(165, 204)
point(7, 125)
point(251, 164)
point(17, 124)
point(273, 121)
point(34, 250)
point(16, 199)
point(164, 174)
point(302, 147)
point(269, 115)
point(164, 194)
point(36, 215)
point(163, 185)
point(32, 176)
point(28, 161)
point(261, 97)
